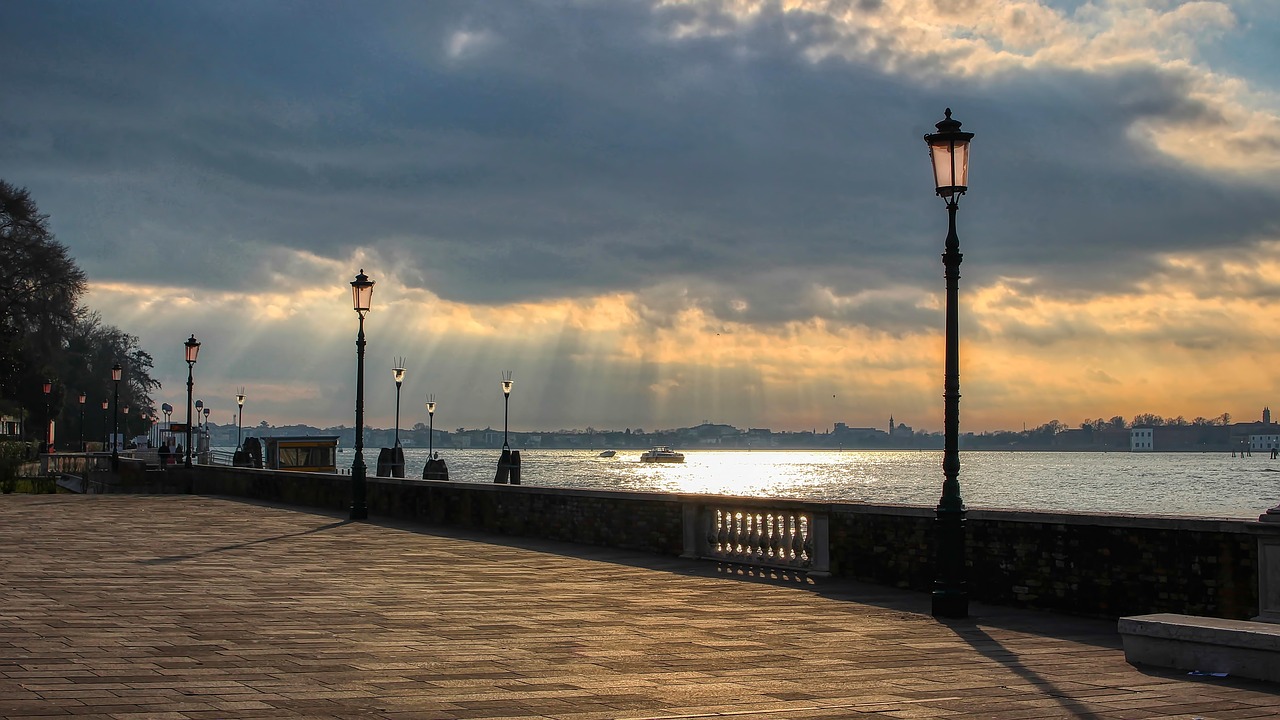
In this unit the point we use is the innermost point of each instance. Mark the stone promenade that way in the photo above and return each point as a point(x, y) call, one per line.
point(198, 607)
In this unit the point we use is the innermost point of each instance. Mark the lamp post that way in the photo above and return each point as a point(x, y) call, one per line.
point(193, 350)
point(239, 415)
point(104, 424)
point(431, 425)
point(82, 398)
point(361, 294)
point(949, 153)
point(398, 373)
point(199, 410)
point(48, 416)
point(506, 404)
point(116, 372)
point(126, 420)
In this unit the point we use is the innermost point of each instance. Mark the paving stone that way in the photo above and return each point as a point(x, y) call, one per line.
point(193, 607)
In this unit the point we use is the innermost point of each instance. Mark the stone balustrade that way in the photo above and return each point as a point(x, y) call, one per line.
point(1093, 564)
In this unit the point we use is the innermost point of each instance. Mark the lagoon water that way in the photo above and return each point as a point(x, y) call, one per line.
point(1182, 484)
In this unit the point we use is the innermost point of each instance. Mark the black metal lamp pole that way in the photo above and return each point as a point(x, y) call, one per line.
point(361, 294)
point(48, 417)
point(398, 373)
point(949, 151)
point(192, 346)
point(239, 415)
point(431, 426)
point(116, 372)
point(82, 398)
point(506, 404)
point(104, 424)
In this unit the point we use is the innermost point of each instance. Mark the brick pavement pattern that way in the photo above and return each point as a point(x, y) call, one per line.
point(197, 607)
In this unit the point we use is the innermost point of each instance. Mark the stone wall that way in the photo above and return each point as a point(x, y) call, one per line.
point(1103, 565)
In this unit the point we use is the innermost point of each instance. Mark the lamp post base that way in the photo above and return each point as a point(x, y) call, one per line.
point(952, 604)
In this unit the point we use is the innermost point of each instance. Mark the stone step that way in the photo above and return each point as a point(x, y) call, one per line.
point(1240, 648)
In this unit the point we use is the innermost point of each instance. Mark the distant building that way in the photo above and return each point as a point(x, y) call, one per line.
point(1142, 439)
point(1264, 442)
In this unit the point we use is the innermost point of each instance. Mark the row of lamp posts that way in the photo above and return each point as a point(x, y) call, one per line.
point(949, 155)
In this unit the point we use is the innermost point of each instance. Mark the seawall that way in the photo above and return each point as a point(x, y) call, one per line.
point(1091, 564)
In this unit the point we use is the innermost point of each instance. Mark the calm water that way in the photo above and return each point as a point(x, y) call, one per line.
point(1186, 484)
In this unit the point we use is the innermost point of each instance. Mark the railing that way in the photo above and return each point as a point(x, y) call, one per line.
point(758, 536)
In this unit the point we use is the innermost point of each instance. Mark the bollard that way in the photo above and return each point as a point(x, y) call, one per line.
point(515, 467)
point(504, 468)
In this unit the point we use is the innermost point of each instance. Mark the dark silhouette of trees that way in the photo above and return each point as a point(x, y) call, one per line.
point(45, 333)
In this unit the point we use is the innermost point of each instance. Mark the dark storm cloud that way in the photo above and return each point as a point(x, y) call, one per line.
point(503, 152)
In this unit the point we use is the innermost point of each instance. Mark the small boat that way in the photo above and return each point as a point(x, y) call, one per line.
point(608, 453)
point(662, 454)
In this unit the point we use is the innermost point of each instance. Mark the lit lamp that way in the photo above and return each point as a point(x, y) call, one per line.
point(506, 404)
point(116, 373)
point(361, 295)
point(83, 397)
point(239, 415)
point(949, 151)
point(193, 351)
point(431, 423)
point(47, 387)
point(398, 373)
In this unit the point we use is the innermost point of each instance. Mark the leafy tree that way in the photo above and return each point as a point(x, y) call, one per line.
point(40, 290)
point(45, 334)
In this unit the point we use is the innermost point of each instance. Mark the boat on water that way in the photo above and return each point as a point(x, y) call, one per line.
point(662, 454)
point(607, 453)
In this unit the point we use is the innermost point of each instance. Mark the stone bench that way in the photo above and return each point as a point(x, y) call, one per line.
point(1240, 648)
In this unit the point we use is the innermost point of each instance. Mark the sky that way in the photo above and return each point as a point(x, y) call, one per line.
point(657, 213)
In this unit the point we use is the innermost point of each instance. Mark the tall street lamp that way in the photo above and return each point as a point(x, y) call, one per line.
point(398, 373)
point(193, 350)
point(361, 295)
point(431, 425)
point(116, 372)
point(48, 416)
point(82, 398)
point(949, 152)
point(239, 415)
point(506, 404)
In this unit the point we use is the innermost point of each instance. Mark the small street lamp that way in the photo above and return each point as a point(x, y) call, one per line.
point(398, 373)
point(949, 152)
point(361, 295)
point(83, 397)
point(506, 404)
point(199, 410)
point(104, 424)
point(239, 415)
point(126, 420)
point(116, 373)
point(193, 351)
point(431, 424)
point(48, 417)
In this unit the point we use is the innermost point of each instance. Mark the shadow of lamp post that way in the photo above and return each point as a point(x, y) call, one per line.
point(361, 295)
point(192, 346)
point(116, 373)
point(949, 153)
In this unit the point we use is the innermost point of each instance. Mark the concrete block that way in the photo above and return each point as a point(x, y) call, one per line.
point(1239, 648)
